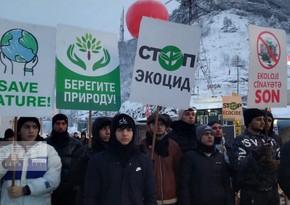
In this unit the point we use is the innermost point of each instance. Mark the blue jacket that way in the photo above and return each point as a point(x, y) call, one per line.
point(109, 183)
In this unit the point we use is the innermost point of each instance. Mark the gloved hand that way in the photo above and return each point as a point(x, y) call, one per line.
point(265, 150)
point(269, 164)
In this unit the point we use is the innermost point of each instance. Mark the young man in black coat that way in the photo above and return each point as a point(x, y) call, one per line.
point(122, 174)
point(183, 130)
point(204, 177)
point(256, 162)
point(68, 149)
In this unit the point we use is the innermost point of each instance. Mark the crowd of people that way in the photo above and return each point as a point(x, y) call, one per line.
point(175, 163)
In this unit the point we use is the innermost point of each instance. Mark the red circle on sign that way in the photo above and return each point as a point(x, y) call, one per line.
point(268, 50)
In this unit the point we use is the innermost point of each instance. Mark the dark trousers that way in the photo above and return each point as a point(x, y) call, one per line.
point(252, 197)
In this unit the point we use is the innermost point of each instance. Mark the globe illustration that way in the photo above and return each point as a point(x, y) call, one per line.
point(19, 45)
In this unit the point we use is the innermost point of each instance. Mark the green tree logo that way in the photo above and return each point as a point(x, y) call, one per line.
point(170, 58)
point(234, 105)
point(90, 46)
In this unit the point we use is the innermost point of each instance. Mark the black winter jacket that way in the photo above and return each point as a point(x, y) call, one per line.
point(284, 170)
point(108, 183)
point(184, 134)
point(204, 180)
point(250, 173)
point(68, 149)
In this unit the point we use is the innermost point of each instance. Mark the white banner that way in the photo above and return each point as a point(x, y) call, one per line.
point(27, 66)
point(267, 86)
point(164, 64)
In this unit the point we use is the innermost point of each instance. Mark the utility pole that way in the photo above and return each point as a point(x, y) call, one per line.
point(238, 75)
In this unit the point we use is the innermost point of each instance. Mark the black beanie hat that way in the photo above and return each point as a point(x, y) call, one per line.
point(8, 133)
point(122, 121)
point(59, 117)
point(22, 120)
point(250, 114)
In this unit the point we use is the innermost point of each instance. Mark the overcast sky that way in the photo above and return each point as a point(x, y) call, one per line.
point(96, 14)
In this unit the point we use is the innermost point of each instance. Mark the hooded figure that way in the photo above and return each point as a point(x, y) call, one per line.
point(121, 174)
point(100, 142)
point(270, 132)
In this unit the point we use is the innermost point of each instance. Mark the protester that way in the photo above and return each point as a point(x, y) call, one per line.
point(68, 149)
point(9, 135)
point(76, 135)
point(219, 139)
point(166, 159)
point(284, 170)
point(168, 122)
point(122, 174)
point(183, 130)
point(83, 139)
point(256, 162)
point(204, 177)
point(100, 140)
point(270, 128)
point(35, 165)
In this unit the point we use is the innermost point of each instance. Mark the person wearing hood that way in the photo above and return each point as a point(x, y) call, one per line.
point(100, 141)
point(204, 176)
point(29, 167)
point(183, 130)
point(121, 174)
point(68, 148)
point(166, 159)
point(270, 127)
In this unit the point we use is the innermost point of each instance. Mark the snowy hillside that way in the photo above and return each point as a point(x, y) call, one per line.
point(224, 52)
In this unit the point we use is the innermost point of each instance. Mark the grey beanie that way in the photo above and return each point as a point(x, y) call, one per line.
point(200, 130)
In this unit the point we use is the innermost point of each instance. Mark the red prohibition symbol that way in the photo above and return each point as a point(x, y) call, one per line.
point(268, 50)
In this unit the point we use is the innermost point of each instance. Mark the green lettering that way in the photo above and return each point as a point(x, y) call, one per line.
point(31, 101)
point(1, 100)
point(23, 87)
point(13, 87)
point(33, 87)
point(3, 86)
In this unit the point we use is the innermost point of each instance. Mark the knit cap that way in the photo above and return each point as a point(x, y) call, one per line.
point(59, 117)
point(22, 120)
point(200, 130)
point(250, 114)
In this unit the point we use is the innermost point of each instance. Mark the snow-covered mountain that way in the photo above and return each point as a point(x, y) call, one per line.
point(224, 51)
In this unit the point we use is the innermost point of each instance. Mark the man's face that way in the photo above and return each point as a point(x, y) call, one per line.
point(104, 133)
point(60, 126)
point(207, 138)
point(124, 135)
point(160, 128)
point(217, 130)
point(257, 124)
point(29, 131)
point(188, 117)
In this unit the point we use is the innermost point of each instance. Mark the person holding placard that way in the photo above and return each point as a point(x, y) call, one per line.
point(166, 158)
point(30, 168)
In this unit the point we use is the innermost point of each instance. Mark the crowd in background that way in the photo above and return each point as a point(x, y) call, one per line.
point(175, 163)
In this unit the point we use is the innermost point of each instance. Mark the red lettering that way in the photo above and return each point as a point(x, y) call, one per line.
point(267, 96)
